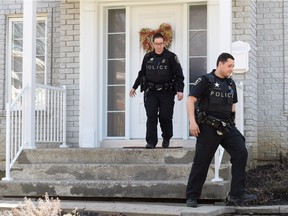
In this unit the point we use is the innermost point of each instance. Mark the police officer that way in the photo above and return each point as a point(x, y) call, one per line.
point(213, 124)
point(160, 77)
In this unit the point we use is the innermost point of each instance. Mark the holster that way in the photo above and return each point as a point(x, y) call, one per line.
point(143, 84)
point(222, 127)
point(200, 117)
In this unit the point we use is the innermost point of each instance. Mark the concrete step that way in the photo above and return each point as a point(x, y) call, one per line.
point(150, 189)
point(109, 172)
point(107, 156)
point(118, 172)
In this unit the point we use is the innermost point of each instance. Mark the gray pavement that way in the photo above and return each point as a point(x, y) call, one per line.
point(157, 209)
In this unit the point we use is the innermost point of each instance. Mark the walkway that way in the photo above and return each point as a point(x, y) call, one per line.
point(158, 209)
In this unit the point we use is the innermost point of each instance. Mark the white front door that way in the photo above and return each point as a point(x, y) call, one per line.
point(151, 17)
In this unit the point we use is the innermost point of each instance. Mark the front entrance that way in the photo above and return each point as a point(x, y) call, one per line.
point(152, 17)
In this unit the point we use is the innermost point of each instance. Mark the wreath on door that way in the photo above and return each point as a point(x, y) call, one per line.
point(146, 35)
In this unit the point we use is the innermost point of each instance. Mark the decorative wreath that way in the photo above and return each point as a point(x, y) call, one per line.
point(146, 35)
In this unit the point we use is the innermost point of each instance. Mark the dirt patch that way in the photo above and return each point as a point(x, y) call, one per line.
point(269, 183)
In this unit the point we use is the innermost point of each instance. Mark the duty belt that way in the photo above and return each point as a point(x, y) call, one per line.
point(222, 126)
point(160, 86)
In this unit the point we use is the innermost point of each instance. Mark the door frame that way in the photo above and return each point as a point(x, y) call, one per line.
point(92, 21)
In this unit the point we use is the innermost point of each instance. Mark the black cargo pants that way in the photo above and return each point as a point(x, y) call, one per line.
point(206, 146)
point(159, 104)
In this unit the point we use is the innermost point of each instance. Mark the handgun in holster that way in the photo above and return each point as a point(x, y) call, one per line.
point(200, 117)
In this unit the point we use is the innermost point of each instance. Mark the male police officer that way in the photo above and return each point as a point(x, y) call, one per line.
point(216, 96)
point(161, 77)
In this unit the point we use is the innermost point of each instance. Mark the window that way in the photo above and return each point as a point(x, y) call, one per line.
point(15, 51)
point(116, 73)
point(197, 42)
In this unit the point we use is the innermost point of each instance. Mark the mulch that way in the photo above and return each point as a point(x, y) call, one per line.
point(269, 183)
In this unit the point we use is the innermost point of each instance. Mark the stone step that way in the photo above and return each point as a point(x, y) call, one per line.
point(109, 172)
point(109, 156)
point(150, 189)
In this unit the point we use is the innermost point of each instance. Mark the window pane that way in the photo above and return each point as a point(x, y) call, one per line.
point(40, 63)
point(198, 67)
point(16, 81)
point(116, 124)
point(17, 45)
point(198, 43)
point(16, 64)
point(40, 29)
point(116, 46)
point(116, 20)
point(40, 46)
point(17, 30)
point(116, 98)
point(116, 72)
point(198, 17)
point(40, 78)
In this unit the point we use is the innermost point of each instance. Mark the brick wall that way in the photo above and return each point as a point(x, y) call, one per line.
point(244, 29)
point(272, 79)
point(68, 72)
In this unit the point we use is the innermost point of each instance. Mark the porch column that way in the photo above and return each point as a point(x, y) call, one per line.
point(225, 30)
point(90, 92)
point(219, 39)
point(29, 70)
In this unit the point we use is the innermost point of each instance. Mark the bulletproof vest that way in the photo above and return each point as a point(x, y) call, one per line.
point(219, 98)
point(158, 70)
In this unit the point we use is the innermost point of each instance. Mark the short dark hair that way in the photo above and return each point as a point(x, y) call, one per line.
point(157, 35)
point(223, 57)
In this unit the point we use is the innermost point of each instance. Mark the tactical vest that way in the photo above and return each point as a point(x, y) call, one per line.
point(219, 98)
point(158, 70)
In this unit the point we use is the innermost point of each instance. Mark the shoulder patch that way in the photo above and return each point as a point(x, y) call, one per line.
point(176, 59)
point(197, 81)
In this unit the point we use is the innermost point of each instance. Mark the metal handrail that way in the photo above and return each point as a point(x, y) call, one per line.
point(13, 151)
point(50, 122)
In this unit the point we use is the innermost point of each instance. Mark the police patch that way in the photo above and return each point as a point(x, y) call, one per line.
point(176, 59)
point(197, 81)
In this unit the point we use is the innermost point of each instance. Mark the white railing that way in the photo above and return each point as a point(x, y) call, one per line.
point(239, 124)
point(14, 132)
point(50, 122)
point(50, 118)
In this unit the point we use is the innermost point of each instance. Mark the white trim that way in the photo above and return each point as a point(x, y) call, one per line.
point(102, 55)
point(88, 93)
point(185, 67)
point(29, 69)
point(127, 75)
point(225, 29)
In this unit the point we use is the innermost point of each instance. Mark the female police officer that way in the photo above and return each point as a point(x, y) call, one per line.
point(216, 96)
point(160, 78)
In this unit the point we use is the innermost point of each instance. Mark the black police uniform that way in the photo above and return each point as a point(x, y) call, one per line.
point(160, 77)
point(216, 96)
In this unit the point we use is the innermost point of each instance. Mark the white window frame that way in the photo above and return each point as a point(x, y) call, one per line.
point(9, 54)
